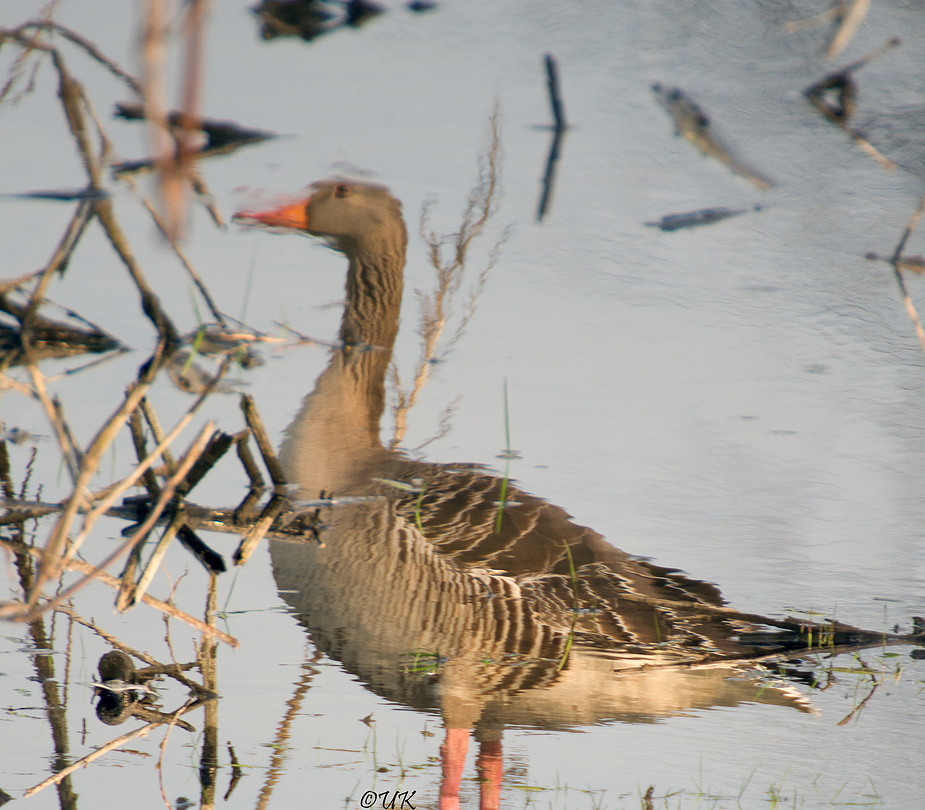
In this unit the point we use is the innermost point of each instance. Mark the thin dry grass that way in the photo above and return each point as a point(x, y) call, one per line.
point(448, 255)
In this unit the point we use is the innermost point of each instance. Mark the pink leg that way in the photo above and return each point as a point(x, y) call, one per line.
point(453, 757)
point(490, 765)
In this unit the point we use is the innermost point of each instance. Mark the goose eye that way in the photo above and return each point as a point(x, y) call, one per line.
point(342, 190)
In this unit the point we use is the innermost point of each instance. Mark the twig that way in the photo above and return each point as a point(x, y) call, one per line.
point(107, 637)
point(850, 23)
point(200, 285)
point(75, 102)
point(157, 431)
point(254, 422)
point(142, 531)
point(68, 450)
point(112, 744)
point(247, 461)
point(113, 582)
point(260, 528)
point(52, 558)
point(896, 262)
point(59, 259)
point(840, 113)
point(8, 382)
point(847, 718)
point(795, 26)
point(50, 567)
point(80, 41)
point(128, 594)
point(218, 445)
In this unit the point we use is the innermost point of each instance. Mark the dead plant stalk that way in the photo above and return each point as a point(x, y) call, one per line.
point(436, 308)
point(167, 492)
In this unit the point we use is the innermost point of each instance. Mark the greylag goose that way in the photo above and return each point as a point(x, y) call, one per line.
point(432, 601)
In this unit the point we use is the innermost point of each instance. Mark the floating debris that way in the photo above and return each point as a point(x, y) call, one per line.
point(60, 195)
point(693, 124)
point(834, 96)
point(218, 137)
point(48, 338)
point(309, 19)
point(191, 377)
point(694, 219)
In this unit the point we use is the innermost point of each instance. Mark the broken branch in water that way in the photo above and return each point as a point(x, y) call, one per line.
point(255, 423)
point(113, 744)
point(142, 531)
point(841, 85)
point(914, 263)
point(10, 610)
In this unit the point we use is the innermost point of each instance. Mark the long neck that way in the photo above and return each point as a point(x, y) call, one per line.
point(374, 291)
point(333, 443)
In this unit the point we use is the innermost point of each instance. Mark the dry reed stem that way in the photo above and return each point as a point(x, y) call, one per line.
point(9, 382)
point(248, 463)
point(113, 582)
point(129, 596)
point(167, 493)
point(76, 103)
point(154, 94)
point(208, 666)
point(259, 529)
point(157, 431)
point(435, 308)
point(150, 303)
point(107, 637)
point(871, 150)
point(18, 67)
point(255, 423)
point(174, 670)
point(113, 744)
point(141, 451)
point(200, 285)
point(174, 159)
point(53, 558)
point(68, 450)
point(59, 258)
point(82, 42)
point(850, 23)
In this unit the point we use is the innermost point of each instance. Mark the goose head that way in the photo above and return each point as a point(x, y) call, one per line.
point(349, 215)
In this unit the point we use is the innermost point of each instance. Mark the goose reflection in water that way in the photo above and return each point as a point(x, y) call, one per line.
point(433, 601)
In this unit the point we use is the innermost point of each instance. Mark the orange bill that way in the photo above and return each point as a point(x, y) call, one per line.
point(292, 216)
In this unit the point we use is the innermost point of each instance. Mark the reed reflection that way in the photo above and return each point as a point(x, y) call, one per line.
point(455, 591)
